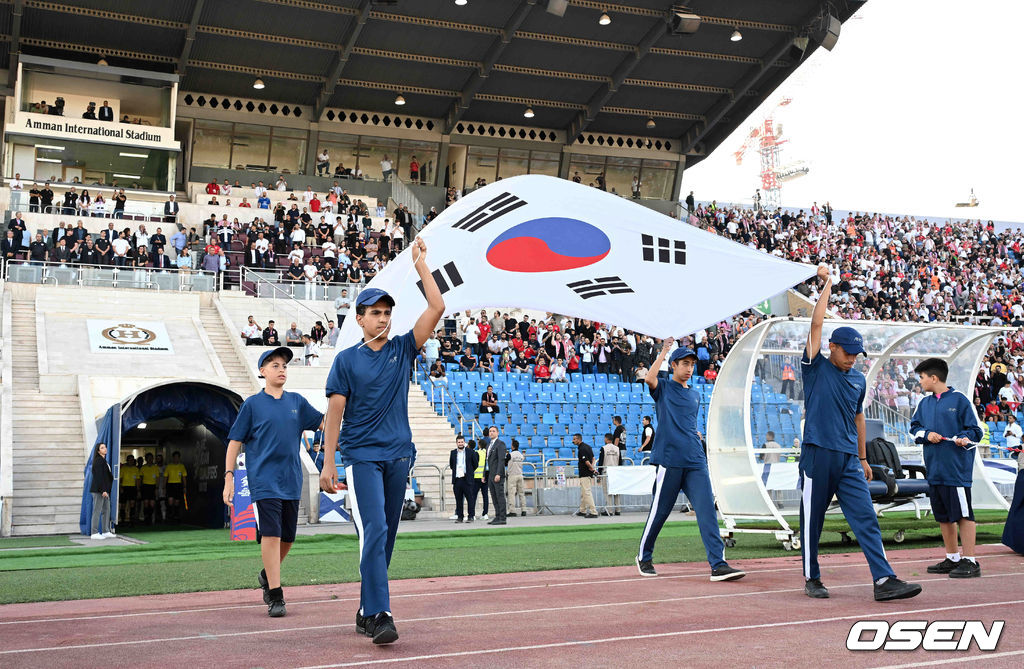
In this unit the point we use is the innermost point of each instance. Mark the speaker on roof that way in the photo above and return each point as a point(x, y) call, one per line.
point(684, 21)
point(827, 33)
point(557, 7)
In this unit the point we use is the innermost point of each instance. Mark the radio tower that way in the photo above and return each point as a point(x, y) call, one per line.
point(767, 135)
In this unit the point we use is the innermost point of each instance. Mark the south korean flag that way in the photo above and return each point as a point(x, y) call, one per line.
point(548, 244)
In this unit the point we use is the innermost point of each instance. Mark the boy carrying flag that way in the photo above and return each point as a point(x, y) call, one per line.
point(945, 423)
point(270, 424)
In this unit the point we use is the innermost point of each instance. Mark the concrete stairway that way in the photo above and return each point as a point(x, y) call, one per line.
point(238, 376)
point(434, 439)
point(48, 449)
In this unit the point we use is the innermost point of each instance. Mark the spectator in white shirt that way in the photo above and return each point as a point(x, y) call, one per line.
point(323, 163)
point(1006, 394)
point(558, 371)
point(311, 351)
point(16, 182)
point(298, 235)
point(282, 185)
point(310, 272)
point(385, 168)
point(225, 189)
point(341, 306)
point(296, 254)
point(1013, 432)
point(252, 334)
point(472, 333)
point(333, 332)
point(308, 194)
point(261, 190)
point(121, 248)
point(330, 249)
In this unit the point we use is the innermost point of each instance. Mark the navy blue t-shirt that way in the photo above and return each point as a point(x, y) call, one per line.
point(271, 430)
point(676, 444)
point(376, 387)
point(832, 400)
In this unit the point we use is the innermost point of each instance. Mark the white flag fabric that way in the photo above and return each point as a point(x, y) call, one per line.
point(548, 244)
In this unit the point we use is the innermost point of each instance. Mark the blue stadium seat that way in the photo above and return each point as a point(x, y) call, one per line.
point(549, 419)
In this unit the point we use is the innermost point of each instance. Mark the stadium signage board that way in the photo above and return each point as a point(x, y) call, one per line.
point(121, 336)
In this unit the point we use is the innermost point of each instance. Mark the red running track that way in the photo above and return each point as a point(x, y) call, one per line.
point(608, 617)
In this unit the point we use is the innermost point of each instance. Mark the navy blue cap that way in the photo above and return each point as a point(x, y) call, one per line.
point(280, 350)
point(849, 339)
point(681, 353)
point(373, 296)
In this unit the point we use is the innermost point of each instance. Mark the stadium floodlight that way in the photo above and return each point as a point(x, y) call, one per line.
point(605, 19)
point(684, 21)
point(736, 35)
point(142, 426)
point(557, 7)
point(399, 100)
point(529, 112)
point(258, 84)
point(651, 124)
point(460, 3)
point(827, 31)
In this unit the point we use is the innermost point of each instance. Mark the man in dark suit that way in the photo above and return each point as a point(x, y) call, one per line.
point(170, 210)
point(270, 337)
point(160, 260)
point(496, 452)
point(106, 112)
point(463, 462)
point(10, 246)
point(61, 253)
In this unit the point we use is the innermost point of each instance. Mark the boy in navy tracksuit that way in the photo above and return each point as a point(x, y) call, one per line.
point(833, 459)
point(680, 464)
point(945, 424)
point(369, 386)
point(270, 424)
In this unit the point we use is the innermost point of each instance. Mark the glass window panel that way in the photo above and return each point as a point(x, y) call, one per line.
point(287, 154)
point(619, 174)
point(545, 155)
point(341, 149)
point(587, 167)
point(513, 162)
point(251, 129)
point(481, 163)
point(372, 151)
point(426, 157)
point(547, 167)
point(250, 147)
point(656, 183)
point(211, 144)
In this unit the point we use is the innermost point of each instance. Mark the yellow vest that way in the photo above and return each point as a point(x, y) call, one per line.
point(481, 463)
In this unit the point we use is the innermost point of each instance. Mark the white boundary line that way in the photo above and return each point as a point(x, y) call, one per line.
point(445, 593)
point(669, 600)
point(954, 660)
point(658, 635)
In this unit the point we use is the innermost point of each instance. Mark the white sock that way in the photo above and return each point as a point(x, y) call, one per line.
point(953, 557)
point(971, 559)
point(882, 580)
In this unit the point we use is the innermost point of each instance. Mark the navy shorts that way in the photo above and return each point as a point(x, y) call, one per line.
point(175, 490)
point(950, 503)
point(276, 518)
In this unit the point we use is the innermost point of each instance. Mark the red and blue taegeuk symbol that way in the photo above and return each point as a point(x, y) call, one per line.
point(548, 245)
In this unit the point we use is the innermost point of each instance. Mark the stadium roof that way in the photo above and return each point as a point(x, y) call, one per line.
point(484, 61)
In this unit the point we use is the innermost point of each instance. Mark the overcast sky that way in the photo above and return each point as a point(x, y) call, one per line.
point(919, 102)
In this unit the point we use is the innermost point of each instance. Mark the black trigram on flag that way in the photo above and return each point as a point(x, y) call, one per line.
point(446, 280)
point(488, 212)
point(605, 285)
point(659, 249)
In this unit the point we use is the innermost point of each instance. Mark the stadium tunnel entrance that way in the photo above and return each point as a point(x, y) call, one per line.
point(192, 418)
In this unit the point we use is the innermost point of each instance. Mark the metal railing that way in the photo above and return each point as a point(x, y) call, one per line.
point(536, 492)
point(403, 195)
point(152, 211)
point(265, 288)
point(440, 480)
point(446, 399)
point(894, 423)
point(274, 283)
point(106, 276)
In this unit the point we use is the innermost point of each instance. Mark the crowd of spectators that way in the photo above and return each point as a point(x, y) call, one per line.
point(312, 342)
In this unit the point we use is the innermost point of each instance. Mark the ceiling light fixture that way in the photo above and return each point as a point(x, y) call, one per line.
point(134, 155)
point(650, 123)
point(128, 176)
point(736, 35)
point(605, 19)
point(47, 160)
point(529, 112)
point(460, 3)
point(258, 84)
point(102, 62)
point(50, 147)
point(399, 100)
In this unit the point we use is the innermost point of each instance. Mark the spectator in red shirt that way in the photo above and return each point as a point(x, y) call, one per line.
point(541, 373)
point(517, 343)
point(212, 188)
point(573, 364)
point(485, 331)
point(710, 375)
point(213, 247)
point(414, 170)
point(314, 204)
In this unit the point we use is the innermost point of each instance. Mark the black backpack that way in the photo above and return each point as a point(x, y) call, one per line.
point(882, 452)
point(409, 510)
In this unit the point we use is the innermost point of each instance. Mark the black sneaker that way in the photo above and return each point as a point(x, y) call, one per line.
point(646, 567)
point(966, 569)
point(360, 623)
point(605, 513)
point(262, 578)
point(894, 588)
point(590, 515)
point(522, 514)
point(381, 628)
point(943, 567)
point(580, 514)
point(727, 573)
point(813, 588)
point(276, 607)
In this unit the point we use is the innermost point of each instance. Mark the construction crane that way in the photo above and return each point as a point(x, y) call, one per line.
point(767, 137)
